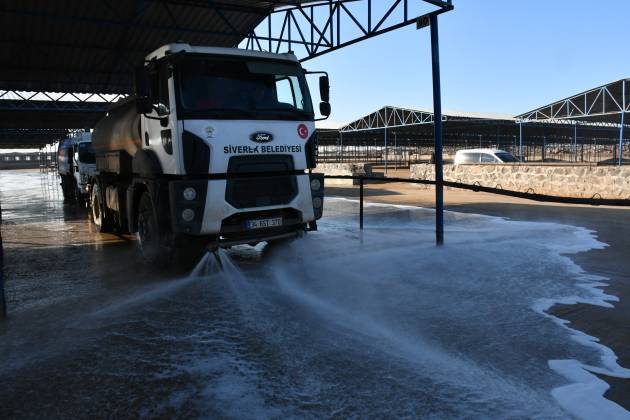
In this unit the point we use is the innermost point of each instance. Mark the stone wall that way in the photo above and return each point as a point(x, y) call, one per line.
point(610, 182)
point(346, 169)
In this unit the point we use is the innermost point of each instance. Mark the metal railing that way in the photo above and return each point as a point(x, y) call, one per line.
point(596, 200)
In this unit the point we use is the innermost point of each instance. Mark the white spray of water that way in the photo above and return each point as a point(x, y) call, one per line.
point(211, 265)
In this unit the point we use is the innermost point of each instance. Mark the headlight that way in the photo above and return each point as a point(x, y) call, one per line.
point(317, 203)
point(188, 215)
point(315, 184)
point(190, 193)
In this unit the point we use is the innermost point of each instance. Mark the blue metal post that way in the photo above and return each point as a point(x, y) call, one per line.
point(385, 135)
point(623, 121)
point(520, 141)
point(341, 144)
point(361, 203)
point(437, 121)
point(575, 142)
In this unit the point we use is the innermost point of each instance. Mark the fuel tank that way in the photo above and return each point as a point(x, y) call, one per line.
point(119, 130)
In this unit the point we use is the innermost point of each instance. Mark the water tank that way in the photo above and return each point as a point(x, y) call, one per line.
point(119, 130)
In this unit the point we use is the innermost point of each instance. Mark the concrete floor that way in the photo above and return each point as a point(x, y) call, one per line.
point(346, 325)
point(611, 225)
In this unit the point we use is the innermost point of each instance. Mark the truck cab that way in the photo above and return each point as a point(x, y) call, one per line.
point(77, 165)
point(216, 147)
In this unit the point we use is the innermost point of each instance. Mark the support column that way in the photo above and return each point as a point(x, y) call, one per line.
point(3, 305)
point(385, 130)
point(437, 121)
point(395, 151)
point(520, 141)
point(341, 144)
point(623, 121)
point(575, 142)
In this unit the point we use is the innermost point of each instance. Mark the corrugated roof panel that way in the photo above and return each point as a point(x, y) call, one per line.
point(90, 46)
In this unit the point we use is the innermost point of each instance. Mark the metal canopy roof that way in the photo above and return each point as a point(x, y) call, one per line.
point(391, 116)
point(464, 125)
point(29, 138)
point(605, 104)
point(92, 46)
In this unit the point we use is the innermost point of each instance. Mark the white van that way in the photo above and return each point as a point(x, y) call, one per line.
point(472, 156)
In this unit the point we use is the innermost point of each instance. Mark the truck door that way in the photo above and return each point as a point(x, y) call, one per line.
point(160, 131)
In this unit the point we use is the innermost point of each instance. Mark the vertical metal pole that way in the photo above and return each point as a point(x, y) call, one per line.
point(361, 203)
point(385, 146)
point(544, 147)
point(341, 144)
point(3, 303)
point(575, 142)
point(520, 141)
point(623, 121)
point(437, 121)
point(396, 151)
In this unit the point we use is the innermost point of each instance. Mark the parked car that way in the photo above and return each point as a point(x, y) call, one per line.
point(483, 156)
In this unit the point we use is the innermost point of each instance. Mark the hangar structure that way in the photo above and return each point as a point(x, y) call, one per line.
point(588, 127)
point(605, 105)
point(63, 62)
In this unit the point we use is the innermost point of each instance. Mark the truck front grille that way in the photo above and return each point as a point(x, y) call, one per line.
point(256, 189)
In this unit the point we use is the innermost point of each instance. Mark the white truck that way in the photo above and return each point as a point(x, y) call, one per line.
point(216, 148)
point(76, 166)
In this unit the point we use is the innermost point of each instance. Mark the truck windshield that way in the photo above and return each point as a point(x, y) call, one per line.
point(86, 153)
point(231, 88)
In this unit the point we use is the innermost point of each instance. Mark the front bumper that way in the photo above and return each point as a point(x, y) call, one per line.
point(214, 213)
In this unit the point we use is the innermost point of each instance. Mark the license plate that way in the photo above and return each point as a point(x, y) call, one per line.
point(263, 223)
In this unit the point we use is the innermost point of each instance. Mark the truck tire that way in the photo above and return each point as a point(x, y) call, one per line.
point(151, 240)
point(66, 188)
point(78, 197)
point(99, 213)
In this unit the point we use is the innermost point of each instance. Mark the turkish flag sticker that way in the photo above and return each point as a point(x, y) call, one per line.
point(302, 131)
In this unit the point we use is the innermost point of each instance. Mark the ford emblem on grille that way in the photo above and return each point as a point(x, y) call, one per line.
point(261, 137)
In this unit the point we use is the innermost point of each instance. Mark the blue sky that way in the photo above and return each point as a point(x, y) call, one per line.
point(497, 56)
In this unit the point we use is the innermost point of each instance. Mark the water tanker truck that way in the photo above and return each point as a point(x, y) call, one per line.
point(76, 166)
point(216, 148)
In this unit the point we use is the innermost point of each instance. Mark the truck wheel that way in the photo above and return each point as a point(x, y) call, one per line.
point(66, 188)
point(78, 197)
point(152, 246)
point(99, 216)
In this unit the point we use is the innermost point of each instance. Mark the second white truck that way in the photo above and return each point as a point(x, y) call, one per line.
point(76, 166)
point(215, 149)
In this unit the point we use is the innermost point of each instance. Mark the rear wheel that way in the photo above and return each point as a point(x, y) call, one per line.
point(99, 214)
point(153, 243)
point(66, 188)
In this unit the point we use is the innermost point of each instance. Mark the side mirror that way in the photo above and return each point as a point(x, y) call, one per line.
point(143, 105)
point(142, 82)
point(324, 88)
point(324, 109)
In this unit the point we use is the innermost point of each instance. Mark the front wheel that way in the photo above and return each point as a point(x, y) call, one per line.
point(99, 216)
point(152, 244)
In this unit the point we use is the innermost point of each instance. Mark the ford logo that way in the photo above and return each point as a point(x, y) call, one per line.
point(261, 137)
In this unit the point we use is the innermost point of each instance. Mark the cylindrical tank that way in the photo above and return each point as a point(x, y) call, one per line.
point(119, 130)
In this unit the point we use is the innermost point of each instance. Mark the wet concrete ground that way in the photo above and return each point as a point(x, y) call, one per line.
point(341, 324)
point(611, 226)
